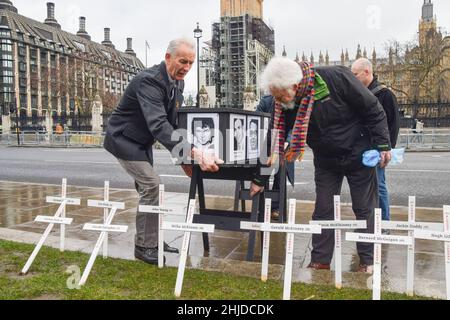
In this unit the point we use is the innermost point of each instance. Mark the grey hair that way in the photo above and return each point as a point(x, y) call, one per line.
point(281, 73)
point(363, 63)
point(175, 44)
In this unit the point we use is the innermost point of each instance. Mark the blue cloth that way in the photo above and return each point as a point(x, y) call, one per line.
point(372, 158)
point(383, 194)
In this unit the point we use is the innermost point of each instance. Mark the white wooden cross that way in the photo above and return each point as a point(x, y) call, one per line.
point(411, 226)
point(440, 236)
point(109, 211)
point(160, 211)
point(290, 229)
point(378, 239)
point(338, 225)
point(187, 228)
point(58, 218)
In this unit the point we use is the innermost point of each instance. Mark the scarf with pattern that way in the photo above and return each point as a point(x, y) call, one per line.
point(305, 100)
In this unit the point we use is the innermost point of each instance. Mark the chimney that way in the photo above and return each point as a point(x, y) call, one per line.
point(51, 21)
point(130, 50)
point(7, 5)
point(82, 32)
point(107, 42)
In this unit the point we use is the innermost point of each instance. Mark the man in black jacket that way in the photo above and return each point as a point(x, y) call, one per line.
point(363, 70)
point(345, 116)
point(147, 113)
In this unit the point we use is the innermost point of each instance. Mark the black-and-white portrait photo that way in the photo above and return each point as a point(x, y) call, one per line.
point(253, 137)
point(203, 132)
point(237, 139)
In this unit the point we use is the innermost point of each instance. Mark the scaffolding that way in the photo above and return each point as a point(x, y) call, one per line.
point(244, 45)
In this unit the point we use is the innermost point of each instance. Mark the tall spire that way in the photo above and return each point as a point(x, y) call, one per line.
point(342, 57)
point(297, 58)
point(321, 59)
point(327, 59)
point(284, 54)
point(311, 58)
point(427, 11)
point(7, 5)
point(365, 53)
point(358, 52)
point(374, 57)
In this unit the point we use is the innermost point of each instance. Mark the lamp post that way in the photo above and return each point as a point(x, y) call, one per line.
point(197, 35)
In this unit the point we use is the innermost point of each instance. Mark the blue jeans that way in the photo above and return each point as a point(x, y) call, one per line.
point(383, 194)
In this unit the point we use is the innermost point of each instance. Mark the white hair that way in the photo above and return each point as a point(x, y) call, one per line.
point(281, 73)
point(175, 44)
point(364, 64)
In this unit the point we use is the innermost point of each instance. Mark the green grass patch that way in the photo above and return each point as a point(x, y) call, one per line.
point(115, 279)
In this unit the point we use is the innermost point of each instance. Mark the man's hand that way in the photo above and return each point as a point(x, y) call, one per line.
point(187, 168)
point(255, 189)
point(208, 162)
point(386, 157)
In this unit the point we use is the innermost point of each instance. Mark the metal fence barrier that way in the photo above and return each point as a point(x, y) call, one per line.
point(65, 139)
point(429, 139)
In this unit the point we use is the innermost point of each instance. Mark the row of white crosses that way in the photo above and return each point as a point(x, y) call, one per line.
point(110, 210)
point(426, 231)
point(188, 227)
point(58, 218)
point(290, 229)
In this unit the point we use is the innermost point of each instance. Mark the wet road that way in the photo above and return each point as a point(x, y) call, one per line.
point(425, 175)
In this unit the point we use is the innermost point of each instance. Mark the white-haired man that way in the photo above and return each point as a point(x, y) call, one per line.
point(147, 113)
point(363, 71)
point(336, 116)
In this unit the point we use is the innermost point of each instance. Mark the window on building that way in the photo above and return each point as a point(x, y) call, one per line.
point(80, 46)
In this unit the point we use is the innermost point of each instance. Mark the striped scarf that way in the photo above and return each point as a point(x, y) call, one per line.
point(305, 100)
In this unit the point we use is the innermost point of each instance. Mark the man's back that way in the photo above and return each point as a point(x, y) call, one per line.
point(149, 101)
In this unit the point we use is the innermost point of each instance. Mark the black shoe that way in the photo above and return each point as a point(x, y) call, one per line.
point(148, 255)
point(170, 249)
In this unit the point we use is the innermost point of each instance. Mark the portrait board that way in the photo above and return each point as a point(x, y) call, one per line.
point(203, 132)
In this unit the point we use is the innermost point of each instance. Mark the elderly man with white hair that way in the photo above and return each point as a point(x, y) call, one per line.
point(147, 113)
point(363, 71)
point(339, 119)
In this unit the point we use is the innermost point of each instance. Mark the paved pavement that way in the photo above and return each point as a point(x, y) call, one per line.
point(21, 202)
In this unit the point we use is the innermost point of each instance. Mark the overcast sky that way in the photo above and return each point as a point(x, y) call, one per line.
point(300, 25)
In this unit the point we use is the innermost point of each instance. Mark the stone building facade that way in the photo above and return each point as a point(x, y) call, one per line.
point(47, 71)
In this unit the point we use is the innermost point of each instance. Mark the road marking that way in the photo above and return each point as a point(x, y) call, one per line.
point(84, 162)
point(424, 171)
point(172, 176)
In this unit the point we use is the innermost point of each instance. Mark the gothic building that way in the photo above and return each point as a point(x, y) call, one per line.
point(420, 73)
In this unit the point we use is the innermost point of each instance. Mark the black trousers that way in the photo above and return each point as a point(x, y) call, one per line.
point(364, 192)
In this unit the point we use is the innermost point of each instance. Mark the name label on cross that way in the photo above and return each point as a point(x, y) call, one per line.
point(382, 239)
point(408, 226)
point(154, 210)
point(431, 235)
point(105, 228)
point(273, 227)
point(173, 226)
point(60, 200)
point(341, 224)
point(106, 204)
point(54, 220)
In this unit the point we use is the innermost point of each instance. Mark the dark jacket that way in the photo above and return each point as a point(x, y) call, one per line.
point(347, 123)
point(267, 105)
point(390, 105)
point(146, 113)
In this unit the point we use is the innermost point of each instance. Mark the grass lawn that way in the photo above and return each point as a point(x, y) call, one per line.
point(119, 279)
